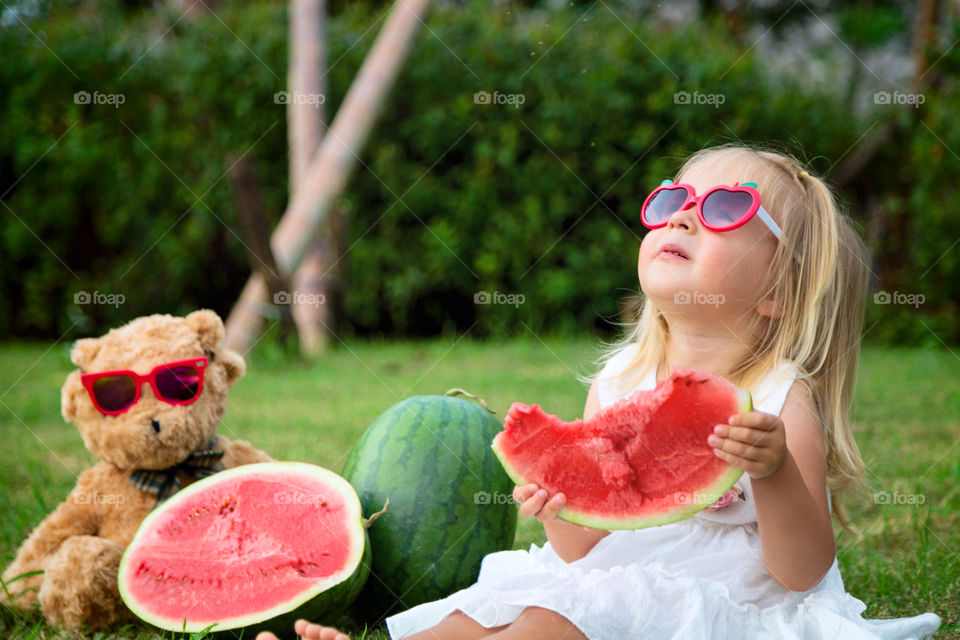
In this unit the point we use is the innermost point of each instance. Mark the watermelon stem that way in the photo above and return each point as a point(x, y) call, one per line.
point(373, 517)
point(461, 392)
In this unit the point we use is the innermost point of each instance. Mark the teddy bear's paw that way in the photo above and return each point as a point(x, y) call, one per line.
point(80, 584)
point(20, 587)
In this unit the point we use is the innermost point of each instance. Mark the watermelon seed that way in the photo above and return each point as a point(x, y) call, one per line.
point(688, 383)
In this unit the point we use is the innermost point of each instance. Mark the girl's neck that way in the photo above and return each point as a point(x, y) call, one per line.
point(711, 351)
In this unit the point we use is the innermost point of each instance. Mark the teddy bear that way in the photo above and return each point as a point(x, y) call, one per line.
point(147, 399)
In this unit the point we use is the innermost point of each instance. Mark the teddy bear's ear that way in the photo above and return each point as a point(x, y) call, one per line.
point(84, 351)
point(209, 326)
point(234, 364)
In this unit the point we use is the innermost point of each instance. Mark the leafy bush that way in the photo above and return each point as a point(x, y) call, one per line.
point(536, 204)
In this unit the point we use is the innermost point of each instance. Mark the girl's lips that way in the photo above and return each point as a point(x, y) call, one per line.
point(672, 251)
point(666, 254)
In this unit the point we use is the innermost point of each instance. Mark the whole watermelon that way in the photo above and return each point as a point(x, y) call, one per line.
point(450, 500)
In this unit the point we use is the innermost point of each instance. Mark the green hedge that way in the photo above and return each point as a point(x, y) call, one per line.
point(539, 201)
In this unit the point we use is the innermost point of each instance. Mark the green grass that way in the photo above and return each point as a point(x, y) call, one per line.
point(907, 415)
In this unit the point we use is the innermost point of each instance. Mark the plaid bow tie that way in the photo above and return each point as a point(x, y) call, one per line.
point(164, 482)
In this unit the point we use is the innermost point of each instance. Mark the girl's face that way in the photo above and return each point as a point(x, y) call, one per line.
point(723, 270)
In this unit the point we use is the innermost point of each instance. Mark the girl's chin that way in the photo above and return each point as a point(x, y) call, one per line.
point(673, 269)
point(661, 287)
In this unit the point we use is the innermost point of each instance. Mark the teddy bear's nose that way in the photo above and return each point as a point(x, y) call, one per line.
point(155, 425)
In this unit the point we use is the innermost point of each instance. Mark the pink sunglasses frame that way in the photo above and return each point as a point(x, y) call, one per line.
point(747, 187)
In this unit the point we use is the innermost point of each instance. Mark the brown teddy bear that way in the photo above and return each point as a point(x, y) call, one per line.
point(147, 400)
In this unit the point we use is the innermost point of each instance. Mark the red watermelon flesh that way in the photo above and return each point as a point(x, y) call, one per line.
point(641, 462)
point(244, 546)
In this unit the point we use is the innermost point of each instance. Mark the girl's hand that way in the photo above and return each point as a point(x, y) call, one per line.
point(534, 502)
point(754, 441)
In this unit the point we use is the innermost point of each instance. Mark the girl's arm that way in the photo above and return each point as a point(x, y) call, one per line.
point(569, 541)
point(786, 460)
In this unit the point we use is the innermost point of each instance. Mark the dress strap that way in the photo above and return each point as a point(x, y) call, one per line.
point(772, 391)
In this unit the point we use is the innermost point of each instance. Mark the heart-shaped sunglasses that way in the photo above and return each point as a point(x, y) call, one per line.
point(114, 392)
point(722, 208)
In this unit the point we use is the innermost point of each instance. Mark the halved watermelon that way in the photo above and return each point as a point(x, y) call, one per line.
point(256, 544)
point(641, 462)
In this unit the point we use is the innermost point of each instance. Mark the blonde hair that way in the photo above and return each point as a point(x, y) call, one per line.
point(818, 278)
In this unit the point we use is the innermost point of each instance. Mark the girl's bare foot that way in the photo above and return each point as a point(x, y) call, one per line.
point(309, 631)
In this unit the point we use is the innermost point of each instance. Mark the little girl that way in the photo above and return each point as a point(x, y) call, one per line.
point(749, 271)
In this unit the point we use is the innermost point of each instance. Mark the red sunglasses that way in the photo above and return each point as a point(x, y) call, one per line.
point(114, 392)
point(722, 208)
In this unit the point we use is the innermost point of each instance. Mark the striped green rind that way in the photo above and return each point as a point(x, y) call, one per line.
point(324, 601)
point(695, 502)
point(450, 501)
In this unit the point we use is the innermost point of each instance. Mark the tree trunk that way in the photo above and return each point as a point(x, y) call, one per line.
point(305, 127)
point(256, 235)
point(924, 36)
point(339, 150)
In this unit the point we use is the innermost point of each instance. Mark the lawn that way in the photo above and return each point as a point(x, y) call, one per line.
point(907, 413)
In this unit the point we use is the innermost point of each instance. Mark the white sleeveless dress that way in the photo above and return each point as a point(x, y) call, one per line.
point(700, 578)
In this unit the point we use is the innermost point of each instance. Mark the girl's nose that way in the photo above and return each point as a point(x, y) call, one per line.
point(683, 217)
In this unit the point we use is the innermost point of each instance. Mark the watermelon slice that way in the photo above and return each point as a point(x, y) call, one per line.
point(262, 542)
point(641, 462)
